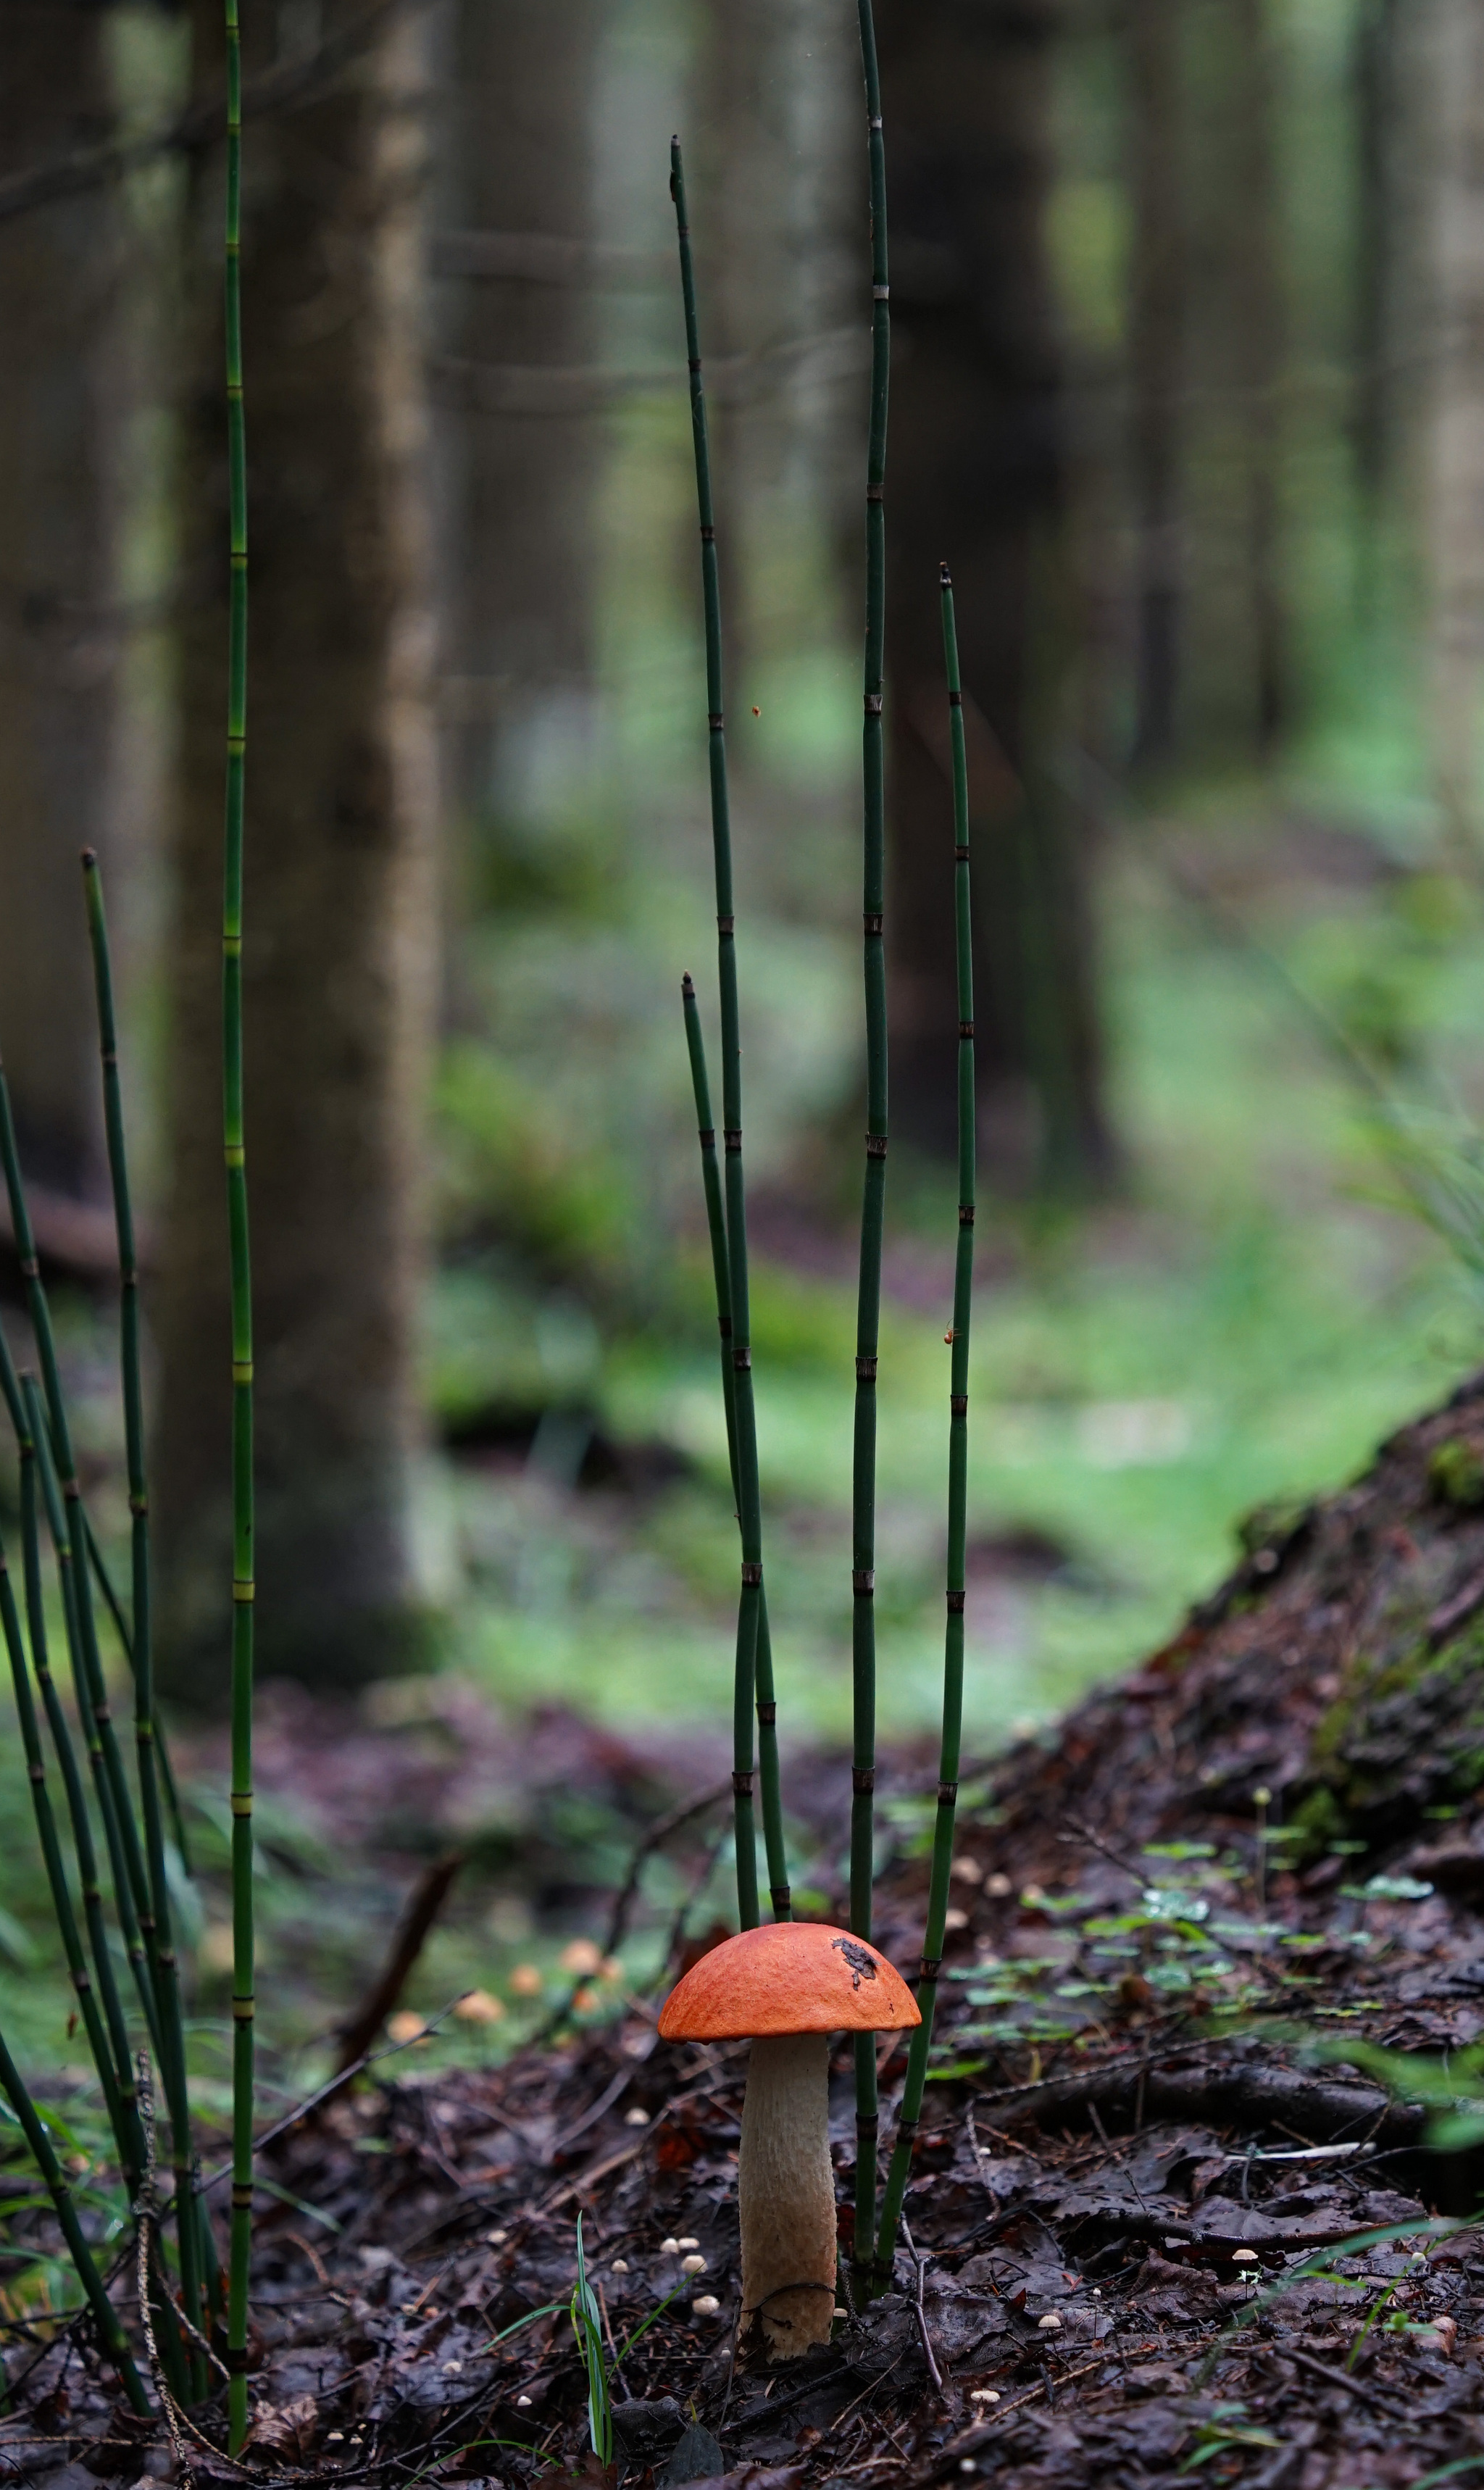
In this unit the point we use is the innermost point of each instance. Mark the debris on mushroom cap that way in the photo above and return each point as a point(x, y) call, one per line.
point(796, 1975)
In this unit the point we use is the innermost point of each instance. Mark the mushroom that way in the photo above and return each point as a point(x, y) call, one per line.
point(785, 1988)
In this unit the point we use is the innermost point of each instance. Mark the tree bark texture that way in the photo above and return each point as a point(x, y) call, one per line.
point(1157, 353)
point(976, 475)
point(1260, 344)
point(59, 420)
point(517, 489)
point(1454, 409)
point(339, 891)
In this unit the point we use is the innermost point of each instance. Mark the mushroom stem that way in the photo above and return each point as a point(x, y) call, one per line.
point(785, 2184)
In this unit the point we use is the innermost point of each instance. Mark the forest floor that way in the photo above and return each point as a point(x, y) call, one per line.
point(1196, 2185)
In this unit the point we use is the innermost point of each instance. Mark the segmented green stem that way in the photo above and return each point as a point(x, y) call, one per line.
point(105, 2314)
point(72, 1777)
point(233, 1136)
point(958, 1476)
point(92, 1709)
point(716, 1221)
point(142, 1655)
point(127, 2136)
point(753, 1679)
point(863, 1831)
point(126, 1646)
point(133, 1898)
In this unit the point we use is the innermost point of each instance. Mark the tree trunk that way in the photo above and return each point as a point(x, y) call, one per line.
point(975, 472)
point(1157, 354)
point(339, 900)
point(59, 267)
point(1455, 406)
point(518, 488)
point(1259, 342)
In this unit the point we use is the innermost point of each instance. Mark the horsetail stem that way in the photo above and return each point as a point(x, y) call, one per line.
point(863, 1831)
point(127, 2137)
point(62, 1741)
point(126, 1646)
point(716, 1221)
point(172, 2061)
point(243, 1562)
point(753, 1680)
point(92, 1710)
point(58, 1435)
point(958, 1475)
point(105, 2314)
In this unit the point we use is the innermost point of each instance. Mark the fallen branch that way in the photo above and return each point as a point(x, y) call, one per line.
point(424, 1902)
point(1223, 2095)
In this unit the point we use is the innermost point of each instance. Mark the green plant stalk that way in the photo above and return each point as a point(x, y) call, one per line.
point(76, 1796)
point(127, 1647)
point(105, 2314)
point(127, 2137)
point(123, 1844)
point(754, 1678)
point(716, 1221)
point(862, 1828)
point(958, 1480)
point(235, 1152)
point(88, 1710)
point(172, 2061)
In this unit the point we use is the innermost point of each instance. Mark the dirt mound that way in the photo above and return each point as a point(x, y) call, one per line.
point(1179, 2197)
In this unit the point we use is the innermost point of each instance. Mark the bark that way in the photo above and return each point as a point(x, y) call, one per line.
point(1454, 417)
point(1259, 342)
point(518, 488)
point(59, 418)
point(1155, 352)
point(339, 897)
point(975, 472)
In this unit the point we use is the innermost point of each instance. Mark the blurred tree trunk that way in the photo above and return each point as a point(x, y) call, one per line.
point(1156, 345)
point(1377, 110)
point(1261, 346)
point(975, 472)
point(517, 268)
point(59, 424)
point(1455, 405)
point(340, 881)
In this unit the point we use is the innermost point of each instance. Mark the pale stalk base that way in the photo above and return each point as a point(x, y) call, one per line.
point(785, 2185)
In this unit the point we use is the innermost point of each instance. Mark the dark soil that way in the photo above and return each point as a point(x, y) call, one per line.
point(1192, 2044)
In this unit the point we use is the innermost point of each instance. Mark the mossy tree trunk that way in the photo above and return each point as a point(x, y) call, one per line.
point(340, 883)
point(59, 435)
point(978, 479)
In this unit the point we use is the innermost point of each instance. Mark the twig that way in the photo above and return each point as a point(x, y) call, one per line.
point(413, 1929)
point(658, 1835)
point(921, 2262)
point(1335, 2378)
point(326, 2091)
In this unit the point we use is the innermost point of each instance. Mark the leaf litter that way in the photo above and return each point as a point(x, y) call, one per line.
point(1194, 2187)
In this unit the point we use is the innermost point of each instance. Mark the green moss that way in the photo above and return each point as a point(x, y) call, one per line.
point(1455, 1472)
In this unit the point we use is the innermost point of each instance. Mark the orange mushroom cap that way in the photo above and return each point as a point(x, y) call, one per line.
point(795, 1976)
